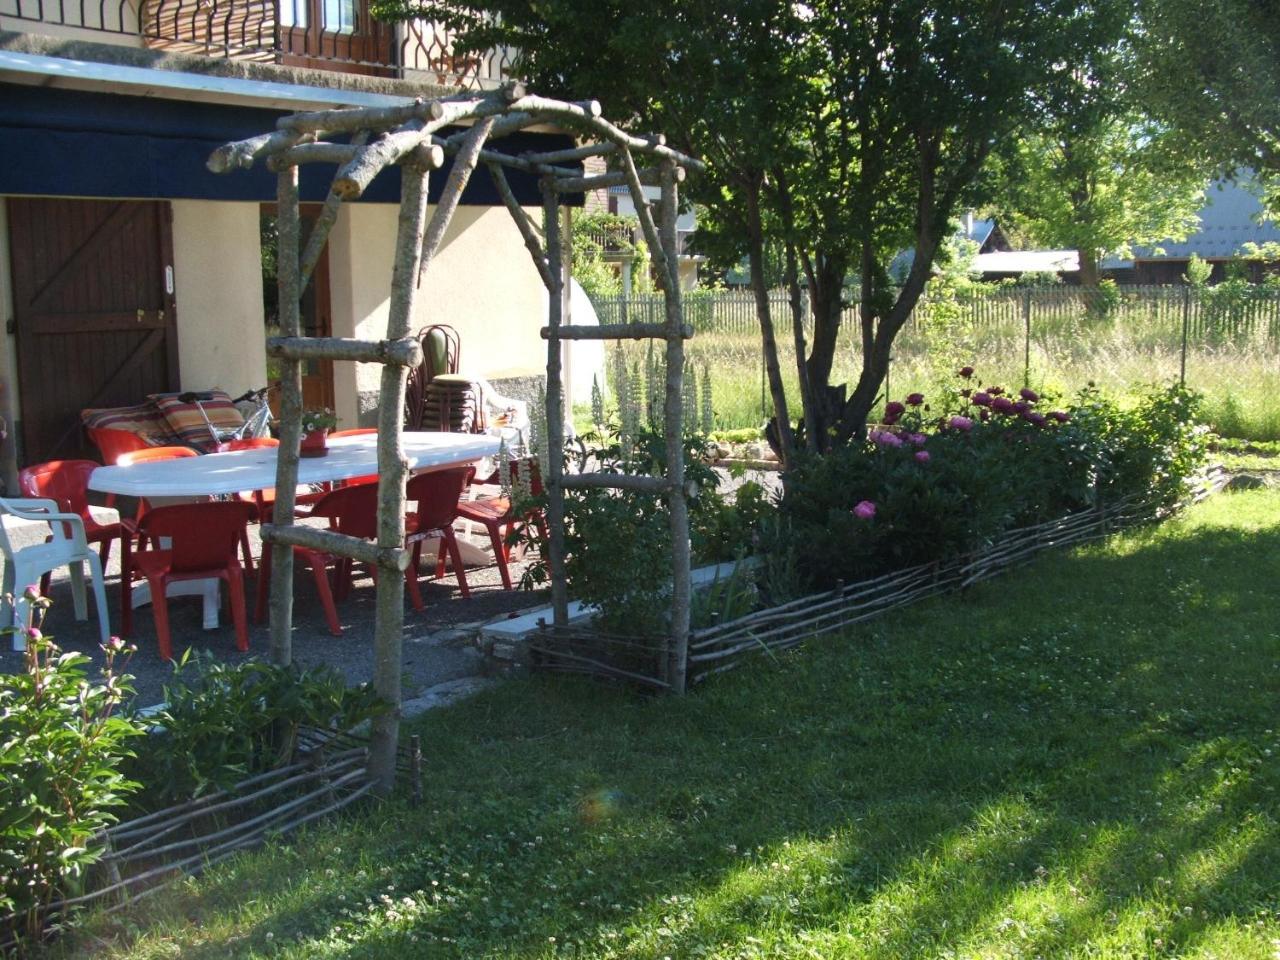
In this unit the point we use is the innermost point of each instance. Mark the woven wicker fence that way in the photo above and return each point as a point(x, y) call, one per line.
point(148, 853)
point(727, 645)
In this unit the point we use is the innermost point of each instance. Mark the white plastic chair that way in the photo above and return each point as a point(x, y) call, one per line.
point(67, 547)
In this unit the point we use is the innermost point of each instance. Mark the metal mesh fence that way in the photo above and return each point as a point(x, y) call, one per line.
point(1219, 340)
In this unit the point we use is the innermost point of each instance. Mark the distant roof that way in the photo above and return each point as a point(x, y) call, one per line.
point(978, 231)
point(1027, 261)
point(1228, 220)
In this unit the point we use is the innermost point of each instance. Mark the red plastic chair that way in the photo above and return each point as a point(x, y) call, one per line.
point(203, 541)
point(352, 511)
point(112, 443)
point(356, 432)
point(498, 517)
point(436, 494)
point(67, 483)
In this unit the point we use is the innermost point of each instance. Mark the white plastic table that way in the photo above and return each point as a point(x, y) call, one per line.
point(244, 470)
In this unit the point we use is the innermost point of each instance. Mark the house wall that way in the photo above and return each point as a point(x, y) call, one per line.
point(482, 282)
point(218, 282)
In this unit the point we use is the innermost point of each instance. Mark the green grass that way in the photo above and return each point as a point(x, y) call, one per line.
point(1076, 760)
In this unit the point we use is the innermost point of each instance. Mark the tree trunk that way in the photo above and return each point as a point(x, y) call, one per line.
point(1088, 268)
point(755, 257)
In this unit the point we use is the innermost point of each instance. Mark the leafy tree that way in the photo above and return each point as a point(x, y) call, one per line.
point(843, 130)
point(1100, 175)
point(1213, 71)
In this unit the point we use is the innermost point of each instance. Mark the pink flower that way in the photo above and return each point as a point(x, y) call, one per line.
point(31, 591)
point(865, 510)
point(981, 399)
point(1060, 416)
point(1038, 419)
point(922, 456)
point(883, 438)
point(1002, 405)
point(995, 391)
point(1026, 393)
point(960, 423)
point(915, 399)
point(1021, 407)
point(893, 410)
point(916, 438)
point(966, 372)
point(33, 633)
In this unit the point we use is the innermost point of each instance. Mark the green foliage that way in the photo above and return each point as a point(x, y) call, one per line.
point(61, 749)
point(725, 599)
point(910, 496)
point(222, 722)
point(598, 277)
point(1198, 271)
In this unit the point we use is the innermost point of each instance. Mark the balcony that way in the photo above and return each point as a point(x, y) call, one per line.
point(337, 35)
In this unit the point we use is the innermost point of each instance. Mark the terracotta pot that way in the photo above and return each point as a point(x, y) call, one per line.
point(314, 444)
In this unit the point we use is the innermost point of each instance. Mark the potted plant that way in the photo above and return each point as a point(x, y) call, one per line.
point(316, 425)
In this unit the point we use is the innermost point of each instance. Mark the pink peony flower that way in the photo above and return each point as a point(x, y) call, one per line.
point(960, 423)
point(915, 399)
point(1038, 419)
point(33, 633)
point(922, 456)
point(916, 438)
point(865, 510)
point(893, 409)
point(1060, 416)
point(981, 399)
point(1002, 405)
point(1029, 395)
point(995, 391)
point(966, 372)
point(883, 438)
point(31, 591)
point(1021, 407)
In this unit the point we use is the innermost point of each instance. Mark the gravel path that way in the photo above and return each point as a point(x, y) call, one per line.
point(432, 653)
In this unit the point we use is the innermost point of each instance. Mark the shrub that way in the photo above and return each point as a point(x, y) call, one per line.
point(61, 748)
point(222, 723)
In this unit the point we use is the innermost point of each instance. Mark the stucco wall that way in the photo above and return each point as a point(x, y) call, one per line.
point(218, 283)
point(482, 283)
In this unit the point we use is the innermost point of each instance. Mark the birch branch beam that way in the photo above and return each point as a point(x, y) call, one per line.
point(404, 353)
point(618, 331)
point(338, 544)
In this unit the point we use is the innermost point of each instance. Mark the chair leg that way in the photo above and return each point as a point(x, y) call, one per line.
point(235, 596)
point(246, 551)
point(411, 580)
point(126, 587)
point(104, 553)
point(501, 555)
point(99, 596)
point(264, 585)
point(321, 576)
point(14, 577)
point(78, 599)
point(455, 557)
point(160, 609)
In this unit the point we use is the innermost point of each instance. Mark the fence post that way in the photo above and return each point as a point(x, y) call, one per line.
point(1026, 325)
point(1186, 326)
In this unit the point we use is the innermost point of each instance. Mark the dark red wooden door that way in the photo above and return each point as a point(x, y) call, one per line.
point(94, 313)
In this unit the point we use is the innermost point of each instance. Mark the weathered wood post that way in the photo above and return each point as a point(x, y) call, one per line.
point(558, 269)
point(393, 472)
point(289, 288)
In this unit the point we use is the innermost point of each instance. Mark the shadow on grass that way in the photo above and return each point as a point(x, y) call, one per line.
point(1078, 753)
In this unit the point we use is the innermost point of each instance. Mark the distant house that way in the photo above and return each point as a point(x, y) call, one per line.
point(1231, 217)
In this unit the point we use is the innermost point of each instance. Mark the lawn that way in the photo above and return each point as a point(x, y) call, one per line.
point(1075, 760)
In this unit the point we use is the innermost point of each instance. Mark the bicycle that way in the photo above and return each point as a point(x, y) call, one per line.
point(256, 424)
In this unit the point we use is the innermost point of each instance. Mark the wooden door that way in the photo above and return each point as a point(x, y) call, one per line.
point(317, 317)
point(93, 311)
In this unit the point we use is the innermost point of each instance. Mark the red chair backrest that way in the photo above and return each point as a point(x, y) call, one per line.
point(66, 481)
point(252, 443)
point(112, 443)
point(353, 432)
point(205, 535)
point(351, 510)
point(155, 453)
point(436, 494)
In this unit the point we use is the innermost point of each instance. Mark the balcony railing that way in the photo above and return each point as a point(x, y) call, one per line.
point(323, 34)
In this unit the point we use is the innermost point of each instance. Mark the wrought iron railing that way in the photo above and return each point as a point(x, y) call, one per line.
point(324, 34)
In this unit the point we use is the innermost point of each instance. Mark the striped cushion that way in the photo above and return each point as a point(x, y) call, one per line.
point(188, 425)
point(144, 419)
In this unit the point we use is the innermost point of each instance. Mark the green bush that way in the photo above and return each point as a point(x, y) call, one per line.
point(222, 723)
point(61, 749)
point(923, 488)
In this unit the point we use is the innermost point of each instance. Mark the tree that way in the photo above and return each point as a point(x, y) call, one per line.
point(1101, 175)
point(844, 130)
point(1212, 70)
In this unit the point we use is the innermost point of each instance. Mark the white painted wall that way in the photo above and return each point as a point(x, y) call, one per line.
point(482, 282)
point(218, 283)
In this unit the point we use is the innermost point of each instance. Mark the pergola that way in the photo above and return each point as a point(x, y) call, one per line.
point(364, 142)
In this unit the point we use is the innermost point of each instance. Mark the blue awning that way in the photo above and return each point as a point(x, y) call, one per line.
point(80, 144)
